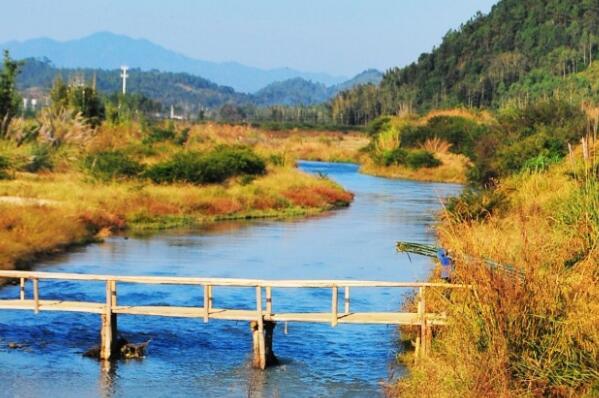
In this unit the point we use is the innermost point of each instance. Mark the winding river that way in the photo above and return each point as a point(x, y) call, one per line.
point(189, 358)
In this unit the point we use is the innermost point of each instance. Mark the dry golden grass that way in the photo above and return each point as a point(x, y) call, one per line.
point(85, 207)
point(534, 338)
point(453, 169)
point(480, 116)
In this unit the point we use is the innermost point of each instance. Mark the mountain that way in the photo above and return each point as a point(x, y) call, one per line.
point(369, 76)
point(295, 91)
point(300, 91)
point(106, 50)
point(520, 50)
point(189, 92)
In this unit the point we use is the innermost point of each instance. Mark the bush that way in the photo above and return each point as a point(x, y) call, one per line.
point(514, 157)
point(213, 167)
point(421, 159)
point(157, 134)
point(476, 205)
point(4, 166)
point(41, 159)
point(112, 164)
point(394, 157)
point(413, 159)
point(460, 132)
point(182, 137)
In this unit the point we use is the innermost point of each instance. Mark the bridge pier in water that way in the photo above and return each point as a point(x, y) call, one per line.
point(263, 355)
point(109, 330)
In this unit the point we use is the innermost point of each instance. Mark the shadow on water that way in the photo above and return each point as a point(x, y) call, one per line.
point(189, 358)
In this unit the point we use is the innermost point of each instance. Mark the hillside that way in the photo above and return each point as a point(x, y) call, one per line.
point(479, 63)
point(187, 92)
point(183, 90)
point(298, 91)
point(106, 50)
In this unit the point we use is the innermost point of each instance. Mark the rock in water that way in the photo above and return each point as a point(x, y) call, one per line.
point(134, 351)
point(124, 350)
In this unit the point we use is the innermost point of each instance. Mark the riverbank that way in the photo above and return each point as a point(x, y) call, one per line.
point(536, 337)
point(453, 169)
point(53, 197)
point(84, 211)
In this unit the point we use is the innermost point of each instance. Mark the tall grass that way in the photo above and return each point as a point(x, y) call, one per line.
point(97, 186)
point(539, 337)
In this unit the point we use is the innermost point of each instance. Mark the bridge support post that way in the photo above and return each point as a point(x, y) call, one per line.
point(263, 355)
point(108, 333)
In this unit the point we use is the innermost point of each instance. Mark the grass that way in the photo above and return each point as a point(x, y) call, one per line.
point(82, 206)
point(512, 339)
point(405, 134)
point(453, 169)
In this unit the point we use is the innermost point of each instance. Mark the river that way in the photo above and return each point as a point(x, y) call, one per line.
point(189, 358)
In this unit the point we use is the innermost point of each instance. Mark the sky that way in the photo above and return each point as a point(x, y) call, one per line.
point(341, 37)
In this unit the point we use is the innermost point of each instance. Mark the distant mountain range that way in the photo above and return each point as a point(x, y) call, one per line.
point(187, 92)
point(299, 91)
point(109, 51)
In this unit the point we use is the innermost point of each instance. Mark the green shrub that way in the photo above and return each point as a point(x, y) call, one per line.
point(540, 162)
point(158, 134)
point(421, 159)
point(415, 159)
point(379, 124)
point(4, 166)
point(41, 159)
point(460, 132)
point(277, 159)
point(476, 205)
point(112, 164)
point(182, 137)
point(514, 157)
point(213, 167)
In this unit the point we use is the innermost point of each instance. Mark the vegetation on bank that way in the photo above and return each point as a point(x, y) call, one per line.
point(114, 181)
point(537, 337)
point(478, 147)
point(83, 169)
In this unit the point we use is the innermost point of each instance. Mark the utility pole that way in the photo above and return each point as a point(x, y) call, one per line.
point(124, 76)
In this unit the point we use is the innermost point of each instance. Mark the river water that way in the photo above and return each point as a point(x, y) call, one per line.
point(189, 358)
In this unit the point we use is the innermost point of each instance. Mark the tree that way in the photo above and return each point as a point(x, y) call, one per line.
point(9, 98)
point(59, 94)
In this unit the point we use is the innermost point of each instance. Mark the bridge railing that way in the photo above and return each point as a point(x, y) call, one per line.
point(263, 289)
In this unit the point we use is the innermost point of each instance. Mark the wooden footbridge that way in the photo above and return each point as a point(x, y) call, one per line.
point(262, 319)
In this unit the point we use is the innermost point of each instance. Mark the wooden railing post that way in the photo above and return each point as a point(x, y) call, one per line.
point(206, 303)
point(36, 296)
point(346, 300)
point(113, 294)
point(334, 306)
point(22, 289)
point(269, 301)
point(422, 319)
point(210, 298)
point(260, 355)
point(108, 333)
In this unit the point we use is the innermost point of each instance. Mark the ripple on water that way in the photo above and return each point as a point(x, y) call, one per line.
point(189, 358)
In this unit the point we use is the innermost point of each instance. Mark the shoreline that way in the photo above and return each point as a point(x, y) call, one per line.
point(31, 260)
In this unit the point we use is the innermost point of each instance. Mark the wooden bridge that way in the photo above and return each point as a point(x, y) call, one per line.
point(262, 319)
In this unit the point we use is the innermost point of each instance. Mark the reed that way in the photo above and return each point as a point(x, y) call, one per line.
point(533, 337)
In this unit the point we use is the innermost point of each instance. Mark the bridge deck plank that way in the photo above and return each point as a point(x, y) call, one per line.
point(385, 318)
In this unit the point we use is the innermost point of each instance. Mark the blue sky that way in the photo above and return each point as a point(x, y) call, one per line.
point(335, 36)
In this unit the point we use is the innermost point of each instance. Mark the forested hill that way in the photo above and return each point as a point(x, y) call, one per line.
point(186, 91)
point(298, 91)
point(520, 48)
